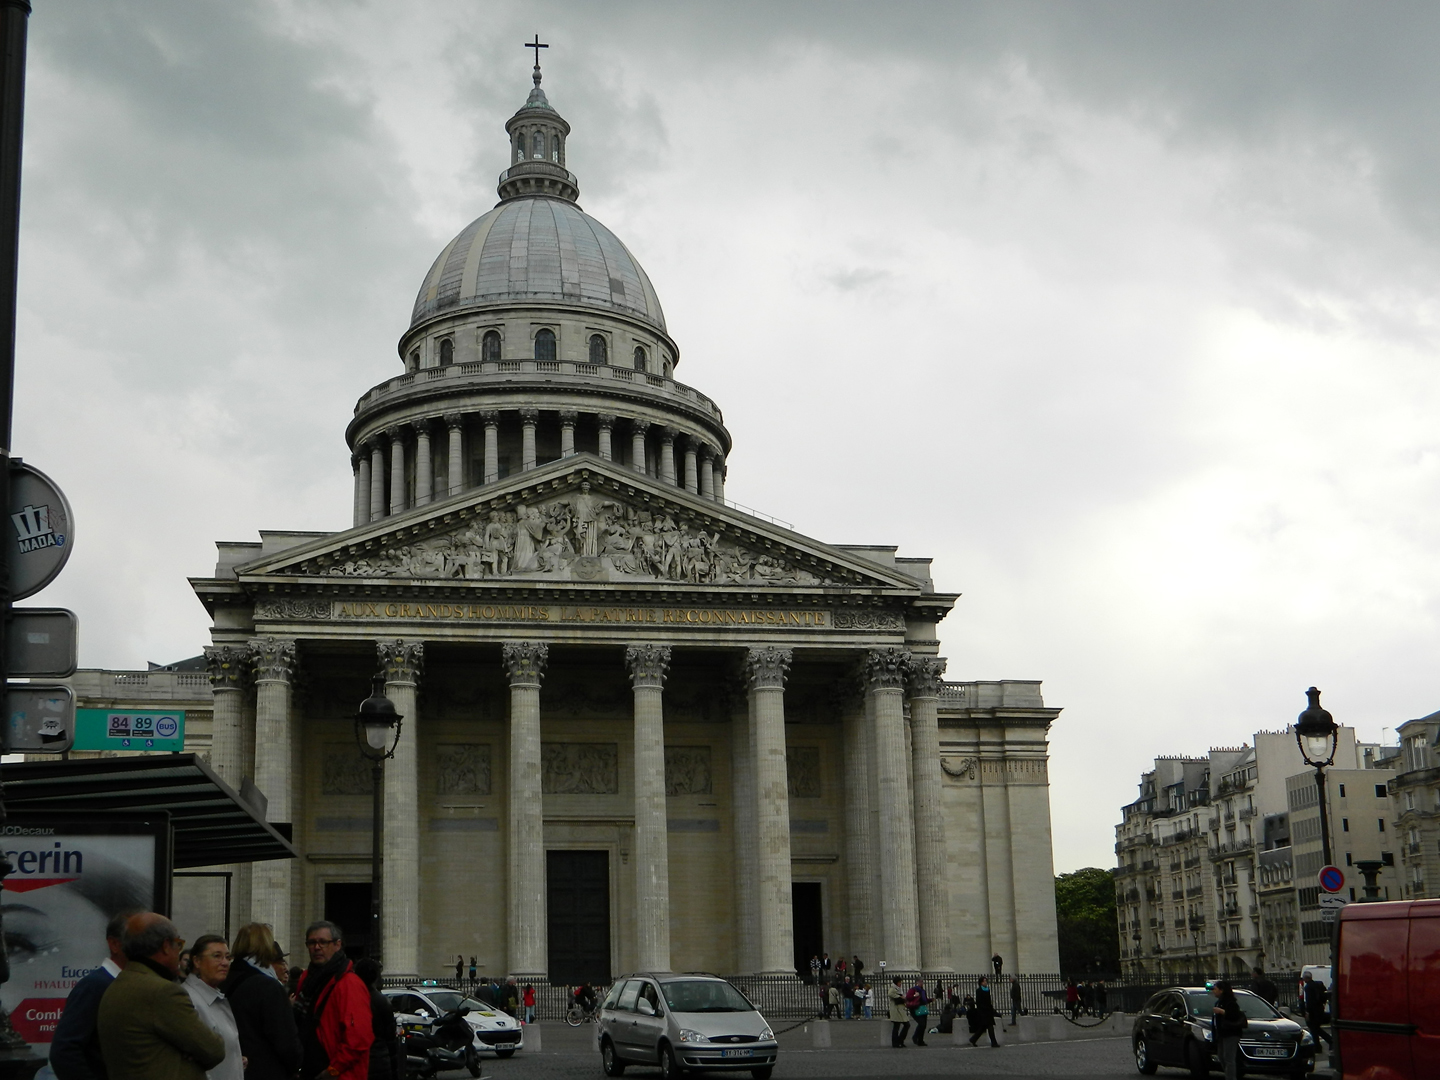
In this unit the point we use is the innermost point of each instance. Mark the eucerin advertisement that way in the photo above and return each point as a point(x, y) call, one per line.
point(70, 874)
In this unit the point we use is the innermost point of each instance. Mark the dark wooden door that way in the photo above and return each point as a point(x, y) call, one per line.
point(577, 895)
point(347, 905)
point(808, 924)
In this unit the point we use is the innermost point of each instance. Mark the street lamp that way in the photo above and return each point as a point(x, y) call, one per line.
point(1316, 733)
point(1138, 954)
point(377, 731)
point(1197, 923)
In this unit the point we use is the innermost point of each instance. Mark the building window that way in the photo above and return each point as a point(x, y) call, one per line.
point(1348, 857)
point(490, 346)
point(447, 352)
point(1342, 791)
point(555, 149)
point(519, 147)
point(599, 351)
point(414, 363)
point(1381, 792)
point(545, 345)
point(537, 145)
point(1382, 824)
point(1345, 824)
point(639, 358)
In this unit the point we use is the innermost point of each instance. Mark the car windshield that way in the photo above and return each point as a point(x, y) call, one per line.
point(449, 1000)
point(704, 995)
point(1202, 1004)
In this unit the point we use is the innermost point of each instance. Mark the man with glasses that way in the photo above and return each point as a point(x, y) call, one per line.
point(148, 1028)
point(334, 1009)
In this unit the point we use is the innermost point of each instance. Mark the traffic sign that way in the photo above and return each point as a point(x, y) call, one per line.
point(41, 534)
point(40, 719)
point(1331, 879)
point(42, 643)
point(1332, 900)
point(109, 729)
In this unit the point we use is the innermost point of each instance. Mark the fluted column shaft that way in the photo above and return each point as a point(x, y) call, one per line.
point(228, 666)
point(273, 881)
point(606, 423)
point(424, 469)
point(742, 757)
point(637, 444)
point(717, 481)
point(525, 884)
point(859, 848)
point(528, 419)
point(667, 455)
point(766, 669)
point(567, 433)
point(926, 679)
point(401, 661)
point(885, 672)
point(692, 476)
point(361, 464)
point(455, 471)
point(707, 474)
point(492, 445)
point(377, 481)
point(397, 470)
point(647, 665)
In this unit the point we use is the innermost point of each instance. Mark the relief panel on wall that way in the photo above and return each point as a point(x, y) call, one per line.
point(803, 767)
point(687, 770)
point(343, 771)
point(579, 768)
point(462, 769)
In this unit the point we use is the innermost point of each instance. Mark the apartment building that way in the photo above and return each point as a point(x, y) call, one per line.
point(1415, 797)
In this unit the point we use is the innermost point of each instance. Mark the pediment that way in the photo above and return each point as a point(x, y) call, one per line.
point(582, 520)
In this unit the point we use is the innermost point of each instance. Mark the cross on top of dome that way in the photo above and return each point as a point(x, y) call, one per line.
point(537, 98)
point(537, 146)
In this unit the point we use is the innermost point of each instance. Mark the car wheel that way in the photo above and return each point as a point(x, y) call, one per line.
point(505, 1053)
point(1142, 1058)
point(669, 1067)
point(762, 1073)
point(472, 1062)
point(609, 1061)
point(1198, 1059)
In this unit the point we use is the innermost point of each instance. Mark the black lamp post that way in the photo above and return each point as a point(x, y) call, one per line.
point(1139, 954)
point(1196, 923)
point(1316, 733)
point(377, 731)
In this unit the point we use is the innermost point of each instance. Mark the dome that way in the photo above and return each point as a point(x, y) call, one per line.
point(538, 248)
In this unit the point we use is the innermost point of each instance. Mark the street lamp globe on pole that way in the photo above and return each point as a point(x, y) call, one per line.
point(377, 732)
point(1317, 735)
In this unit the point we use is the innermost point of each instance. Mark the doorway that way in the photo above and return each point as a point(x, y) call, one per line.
point(577, 897)
point(347, 905)
point(808, 924)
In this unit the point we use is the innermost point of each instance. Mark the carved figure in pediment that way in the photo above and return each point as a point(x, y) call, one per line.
point(529, 535)
point(496, 546)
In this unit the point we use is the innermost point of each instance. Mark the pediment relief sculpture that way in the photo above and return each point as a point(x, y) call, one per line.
point(578, 536)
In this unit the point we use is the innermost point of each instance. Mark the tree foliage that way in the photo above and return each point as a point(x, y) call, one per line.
point(1085, 918)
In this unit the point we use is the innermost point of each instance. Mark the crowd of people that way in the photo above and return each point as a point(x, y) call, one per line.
point(155, 1010)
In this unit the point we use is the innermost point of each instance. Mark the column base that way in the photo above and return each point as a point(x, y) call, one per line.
point(522, 977)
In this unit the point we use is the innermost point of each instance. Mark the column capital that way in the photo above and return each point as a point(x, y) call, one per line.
point(454, 419)
point(396, 433)
point(605, 420)
point(886, 669)
point(525, 661)
point(228, 665)
point(766, 667)
point(274, 659)
point(490, 417)
point(706, 451)
point(424, 425)
point(569, 416)
point(640, 425)
point(529, 416)
point(927, 676)
point(669, 434)
point(400, 660)
point(647, 664)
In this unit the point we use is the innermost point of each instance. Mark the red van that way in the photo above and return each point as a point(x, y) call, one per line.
point(1386, 996)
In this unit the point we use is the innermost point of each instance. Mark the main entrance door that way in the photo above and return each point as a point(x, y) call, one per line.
point(347, 905)
point(577, 896)
point(808, 924)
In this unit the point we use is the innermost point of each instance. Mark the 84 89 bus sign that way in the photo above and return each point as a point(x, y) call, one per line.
point(103, 729)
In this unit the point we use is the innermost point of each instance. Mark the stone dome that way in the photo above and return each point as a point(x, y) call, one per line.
point(537, 248)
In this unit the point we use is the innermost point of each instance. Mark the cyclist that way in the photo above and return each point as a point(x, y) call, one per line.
point(585, 998)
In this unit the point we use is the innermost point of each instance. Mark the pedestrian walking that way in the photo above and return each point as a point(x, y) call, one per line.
point(1227, 1023)
point(472, 973)
point(997, 964)
point(982, 1017)
point(75, 1050)
point(1083, 992)
point(1102, 998)
point(529, 1001)
point(857, 969)
point(1072, 998)
point(918, 1002)
point(1263, 987)
point(847, 998)
point(1016, 1002)
point(148, 1028)
point(209, 965)
point(832, 1000)
point(1314, 997)
point(387, 1059)
point(825, 963)
point(512, 998)
point(334, 1009)
point(867, 998)
point(899, 1015)
point(269, 1039)
point(814, 970)
point(459, 969)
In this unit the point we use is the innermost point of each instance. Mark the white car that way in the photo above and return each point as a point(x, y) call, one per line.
point(495, 1031)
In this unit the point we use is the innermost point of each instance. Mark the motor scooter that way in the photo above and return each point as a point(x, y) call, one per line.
point(439, 1044)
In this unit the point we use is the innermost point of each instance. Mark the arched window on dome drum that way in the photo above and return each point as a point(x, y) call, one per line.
point(447, 352)
point(640, 364)
point(599, 352)
point(413, 364)
point(520, 147)
point(555, 149)
point(537, 145)
point(490, 346)
point(545, 345)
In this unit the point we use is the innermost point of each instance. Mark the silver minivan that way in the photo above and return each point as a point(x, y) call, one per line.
point(680, 1022)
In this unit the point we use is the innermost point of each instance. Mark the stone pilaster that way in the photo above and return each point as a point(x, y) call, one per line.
point(859, 842)
point(455, 467)
point(525, 894)
point(424, 469)
point(377, 480)
point(638, 427)
point(273, 881)
point(568, 418)
point(491, 419)
point(396, 436)
point(707, 472)
point(927, 678)
point(885, 674)
point(648, 665)
point(607, 425)
point(401, 662)
point(528, 419)
point(766, 669)
point(667, 454)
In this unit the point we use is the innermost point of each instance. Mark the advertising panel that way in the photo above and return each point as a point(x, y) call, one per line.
point(72, 873)
point(129, 729)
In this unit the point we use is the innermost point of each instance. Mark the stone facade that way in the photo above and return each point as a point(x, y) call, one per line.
point(1415, 801)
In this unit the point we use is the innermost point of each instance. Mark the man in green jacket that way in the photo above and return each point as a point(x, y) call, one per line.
point(148, 1028)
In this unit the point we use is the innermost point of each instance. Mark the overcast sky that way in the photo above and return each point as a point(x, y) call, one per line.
point(1124, 313)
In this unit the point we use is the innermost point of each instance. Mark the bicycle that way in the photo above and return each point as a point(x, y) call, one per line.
point(579, 1014)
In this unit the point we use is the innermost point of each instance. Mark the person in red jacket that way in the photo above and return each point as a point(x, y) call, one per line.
point(334, 1005)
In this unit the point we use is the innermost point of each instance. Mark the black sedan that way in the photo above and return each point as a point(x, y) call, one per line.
point(1174, 1029)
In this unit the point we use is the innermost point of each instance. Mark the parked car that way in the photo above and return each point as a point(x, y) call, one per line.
point(495, 1031)
point(691, 1021)
point(1174, 1028)
point(1385, 1001)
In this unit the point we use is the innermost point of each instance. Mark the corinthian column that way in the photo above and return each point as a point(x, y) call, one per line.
point(528, 419)
point(667, 454)
point(766, 669)
point(491, 419)
point(607, 425)
point(401, 662)
point(638, 428)
point(273, 887)
point(692, 480)
point(568, 417)
point(707, 472)
point(927, 676)
point(397, 469)
point(859, 844)
point(647, 665)
point(455, 467)
point(525, 884)
point(885, 671)
point(360, 462)
point(424, 471)
point(229, 671)
point(377, 480)
point(742, 768)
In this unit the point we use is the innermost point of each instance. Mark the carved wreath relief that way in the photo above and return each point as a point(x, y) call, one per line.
point(580, 537)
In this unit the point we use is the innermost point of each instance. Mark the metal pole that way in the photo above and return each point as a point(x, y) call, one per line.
point(1324, 814)
point(377, 780)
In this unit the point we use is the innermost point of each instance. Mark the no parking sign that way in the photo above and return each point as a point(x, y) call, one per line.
point(1331, 879)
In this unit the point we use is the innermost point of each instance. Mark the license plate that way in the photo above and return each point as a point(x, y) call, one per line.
point(737, 1053)
point(1270, 1051)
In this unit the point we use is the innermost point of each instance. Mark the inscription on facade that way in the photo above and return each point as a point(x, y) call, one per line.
point(462, 769)
point(725, 617)
point(343, 771)
point(687, 770)
point(803, 766)
point(579, 768)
